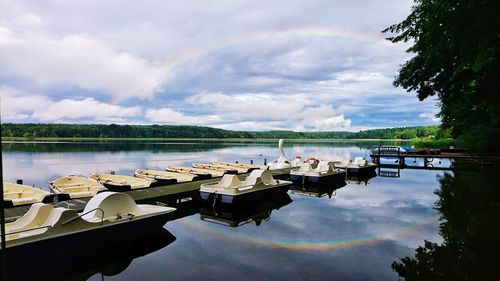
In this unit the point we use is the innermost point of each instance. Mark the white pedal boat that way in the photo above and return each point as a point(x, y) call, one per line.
point(231, 191)
point(359, 167)
point(323, 174)
point(108, 216)
point(282, 162)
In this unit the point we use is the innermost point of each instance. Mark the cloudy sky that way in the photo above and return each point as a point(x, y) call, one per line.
point(247, 65)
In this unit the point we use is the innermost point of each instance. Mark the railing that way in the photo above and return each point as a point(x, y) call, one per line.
point(96, 209)
point(26, 230)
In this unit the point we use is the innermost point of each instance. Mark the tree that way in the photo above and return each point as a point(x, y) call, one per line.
point(457, 58)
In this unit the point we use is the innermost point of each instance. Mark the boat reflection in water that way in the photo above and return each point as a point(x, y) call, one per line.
point(323, 190)
point(81, 264)
point(361, 180)
point(254, 214)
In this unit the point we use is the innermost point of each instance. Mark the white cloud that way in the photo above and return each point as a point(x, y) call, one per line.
point(20, 106)
point(271, 111)
point(306, 65)
point(173, 117)
point(430, 116)
point(77, 60)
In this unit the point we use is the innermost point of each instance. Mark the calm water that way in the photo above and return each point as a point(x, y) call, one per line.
point(354, 235)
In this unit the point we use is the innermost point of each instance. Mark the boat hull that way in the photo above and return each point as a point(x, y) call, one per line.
point(49, 198)
point(241, 200)
point(93, 237)
point(361, 171)
point(163, 182)
point(82, 263)
point(311, 181)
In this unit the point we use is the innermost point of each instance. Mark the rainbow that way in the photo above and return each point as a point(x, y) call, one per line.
point(282, 34)
point(323, 33)
point(307, 245)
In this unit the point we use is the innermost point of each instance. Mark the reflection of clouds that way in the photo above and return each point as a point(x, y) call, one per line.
point(363, 228)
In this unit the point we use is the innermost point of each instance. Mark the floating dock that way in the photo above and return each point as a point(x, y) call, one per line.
point(458, 160)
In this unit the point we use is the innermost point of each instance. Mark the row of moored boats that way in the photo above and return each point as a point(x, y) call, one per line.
point(110, 211)
point(307, 172)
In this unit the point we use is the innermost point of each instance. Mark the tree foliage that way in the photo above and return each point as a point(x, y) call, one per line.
point(31, 131)
point(469, 206)
point(456, 47)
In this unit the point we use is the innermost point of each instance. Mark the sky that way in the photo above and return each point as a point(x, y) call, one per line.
point(303, 65)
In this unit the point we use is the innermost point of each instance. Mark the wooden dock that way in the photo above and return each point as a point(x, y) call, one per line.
point(171, 195)
point(455, 158)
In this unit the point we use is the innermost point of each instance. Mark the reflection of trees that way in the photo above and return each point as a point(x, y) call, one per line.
point(469, 204)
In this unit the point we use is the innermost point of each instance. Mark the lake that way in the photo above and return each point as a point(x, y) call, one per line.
point(356, 233)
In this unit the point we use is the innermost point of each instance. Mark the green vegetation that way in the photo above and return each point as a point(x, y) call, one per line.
point(469, 207)
point(457, 52)
point(33, 131)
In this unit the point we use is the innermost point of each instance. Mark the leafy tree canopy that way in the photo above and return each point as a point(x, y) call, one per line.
point(457, 49)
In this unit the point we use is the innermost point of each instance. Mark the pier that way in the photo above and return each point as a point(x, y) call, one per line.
point(457, 160)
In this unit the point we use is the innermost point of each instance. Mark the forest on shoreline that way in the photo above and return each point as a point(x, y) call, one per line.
point(33, 131)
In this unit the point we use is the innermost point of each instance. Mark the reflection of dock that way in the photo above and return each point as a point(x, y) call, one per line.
point(170, 194)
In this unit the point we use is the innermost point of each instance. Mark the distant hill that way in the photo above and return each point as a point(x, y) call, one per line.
point(172, 131)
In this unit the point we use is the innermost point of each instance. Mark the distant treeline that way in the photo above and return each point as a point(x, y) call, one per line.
point(31, 131)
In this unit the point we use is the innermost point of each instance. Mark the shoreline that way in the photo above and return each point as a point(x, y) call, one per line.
point(41, 139)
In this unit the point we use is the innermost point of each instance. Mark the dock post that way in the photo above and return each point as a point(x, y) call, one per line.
point(3, 253)
point(378, 158)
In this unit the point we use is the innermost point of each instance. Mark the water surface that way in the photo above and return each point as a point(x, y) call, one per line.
point(354, 235)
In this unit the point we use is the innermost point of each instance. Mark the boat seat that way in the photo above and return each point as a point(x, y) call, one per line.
point(343, 163)
point(18, 194)
point(82, 194)
point(325, 166)
point(230, 181)
point(306, 167)
point(263, 175)
point(112, 204)
point(57, 216)
point(35, 216)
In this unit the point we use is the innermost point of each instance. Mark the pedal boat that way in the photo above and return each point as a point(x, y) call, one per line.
point(282, 162)
point(72, 187)
point(225, 169)
point(359, 167)
point(233, 192)
point(323, 174)
point(163, 177)
point(122, 183)
point(108, 217)
point(250, 167)
point(196, 171)
point(18, 194)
